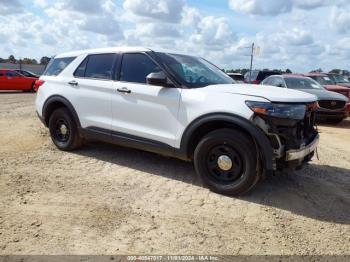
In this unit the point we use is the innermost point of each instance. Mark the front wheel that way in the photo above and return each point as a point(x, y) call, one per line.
point(64, 131)
point(226, 161)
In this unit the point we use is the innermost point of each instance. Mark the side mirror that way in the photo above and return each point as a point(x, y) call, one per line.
point(157, 79)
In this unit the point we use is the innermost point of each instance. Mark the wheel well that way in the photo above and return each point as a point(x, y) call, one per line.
point(52, 107)
point(206, 128)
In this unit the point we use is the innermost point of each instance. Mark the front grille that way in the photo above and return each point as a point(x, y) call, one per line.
point(332, 104)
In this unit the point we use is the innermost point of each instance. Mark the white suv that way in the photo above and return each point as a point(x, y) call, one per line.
point(180, 106)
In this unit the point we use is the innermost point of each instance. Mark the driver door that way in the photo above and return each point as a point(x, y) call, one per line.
point(142, 110)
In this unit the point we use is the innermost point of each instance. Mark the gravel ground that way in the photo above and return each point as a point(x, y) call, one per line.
point(104, 199)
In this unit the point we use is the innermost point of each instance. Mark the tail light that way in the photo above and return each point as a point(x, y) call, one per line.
point(38, 83)
point(255, 82)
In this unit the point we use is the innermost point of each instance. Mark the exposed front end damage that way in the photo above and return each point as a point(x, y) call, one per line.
point(294, 142)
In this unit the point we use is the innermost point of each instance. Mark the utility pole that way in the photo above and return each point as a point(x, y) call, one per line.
point(251, 64)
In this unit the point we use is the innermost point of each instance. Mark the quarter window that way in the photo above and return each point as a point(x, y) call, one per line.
point(136, 67)
point(57, 65)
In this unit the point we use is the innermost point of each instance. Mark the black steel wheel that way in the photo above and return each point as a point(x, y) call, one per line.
point(63, 130)
point(226, 161)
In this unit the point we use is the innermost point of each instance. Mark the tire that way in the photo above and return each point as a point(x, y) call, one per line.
point(33, 88)
point(213, 149)
point(64, 131)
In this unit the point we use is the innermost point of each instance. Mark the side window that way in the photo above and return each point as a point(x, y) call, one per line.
point(277, 81)
point(57, 65)
point(100, 66)
point(267, 81)
point(136, 67)
point(11, 74)
point(80, 71)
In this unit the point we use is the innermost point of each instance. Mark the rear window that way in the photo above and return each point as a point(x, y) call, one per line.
point(97, 66)
point(57, 65)
point(262, 75)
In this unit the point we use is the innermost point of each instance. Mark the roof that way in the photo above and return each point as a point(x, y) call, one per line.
point(294, 75)
point(234, 74)
point(104, 50)
point(316, 74)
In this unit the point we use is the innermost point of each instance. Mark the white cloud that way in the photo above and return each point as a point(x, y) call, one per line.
point(161, 10)
point(10, 7)
point(41, 3)
point(276, 7)
point(214, 32)
point(340, 19)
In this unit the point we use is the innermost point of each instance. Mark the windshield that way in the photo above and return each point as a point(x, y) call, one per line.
point(302, 83)
point(339, 79)
point(194, 71)
point(323, 80)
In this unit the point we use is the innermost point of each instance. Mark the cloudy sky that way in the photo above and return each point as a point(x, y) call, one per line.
point(296, 34)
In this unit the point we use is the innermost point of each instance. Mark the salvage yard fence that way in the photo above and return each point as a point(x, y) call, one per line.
point(37, 69)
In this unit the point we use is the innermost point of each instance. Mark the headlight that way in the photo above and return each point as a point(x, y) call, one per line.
point(289, 111)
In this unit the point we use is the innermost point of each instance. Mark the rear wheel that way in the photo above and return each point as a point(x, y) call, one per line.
point(64, 131)
point(226, 161)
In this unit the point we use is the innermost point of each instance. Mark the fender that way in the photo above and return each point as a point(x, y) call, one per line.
point(260, 138)
point(50, 105)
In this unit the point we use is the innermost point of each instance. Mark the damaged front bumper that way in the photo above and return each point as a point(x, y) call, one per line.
point(296, 154)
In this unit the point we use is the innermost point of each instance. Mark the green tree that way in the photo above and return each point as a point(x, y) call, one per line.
point(12, 59)
point(44, 60)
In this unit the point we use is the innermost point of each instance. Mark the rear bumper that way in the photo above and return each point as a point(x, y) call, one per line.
point(300, 154)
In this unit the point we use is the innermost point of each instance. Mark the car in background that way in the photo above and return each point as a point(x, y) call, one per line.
point(239, 78)
point(258, 76)
point(332, 106)
point(27, 73)
point(339, 80)
point(12, 80)
point(327, 82)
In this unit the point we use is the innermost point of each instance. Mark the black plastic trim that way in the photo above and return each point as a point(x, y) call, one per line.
point(258, 135)
point(132, 141)
point(54, 99)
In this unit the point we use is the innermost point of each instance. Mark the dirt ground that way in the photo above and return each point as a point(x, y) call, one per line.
point(105, 199)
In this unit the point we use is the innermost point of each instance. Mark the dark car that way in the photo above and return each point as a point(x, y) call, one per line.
point(332, 106)
point(239, 78)
point(26, 73)
point(258, 76)
point(326, 81)
point(339, 80)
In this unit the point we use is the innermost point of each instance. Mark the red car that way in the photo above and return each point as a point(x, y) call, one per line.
point(12, 80)
point(328, 83)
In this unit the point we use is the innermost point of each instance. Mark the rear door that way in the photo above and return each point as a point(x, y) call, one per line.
point(92, 90)
point(13, 80)
point(142, 110)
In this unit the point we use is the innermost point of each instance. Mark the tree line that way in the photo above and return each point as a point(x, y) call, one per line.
point(243, 71)
point(29, 61)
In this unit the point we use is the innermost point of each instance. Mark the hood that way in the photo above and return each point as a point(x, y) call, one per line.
point(336, 88)
point(271, 93)
point(344, 84)
point(325, 94)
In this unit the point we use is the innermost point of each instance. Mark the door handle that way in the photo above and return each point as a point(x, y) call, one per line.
point(73, 83)
point(124, 90)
